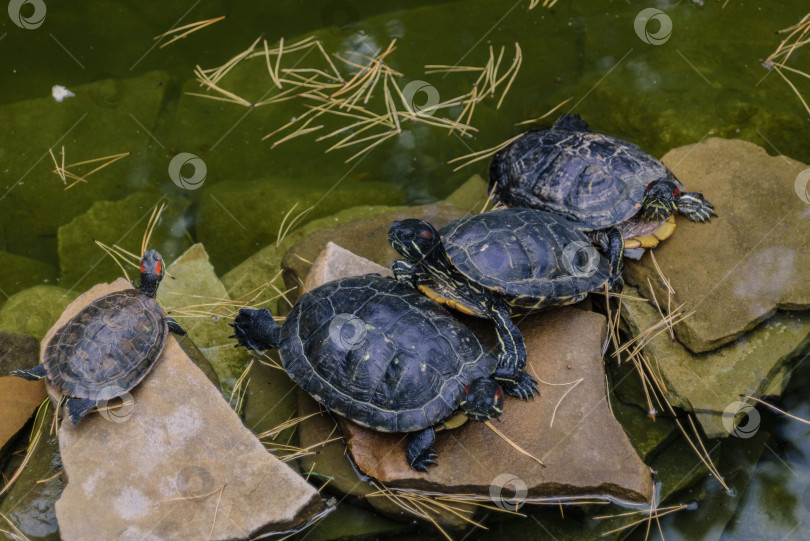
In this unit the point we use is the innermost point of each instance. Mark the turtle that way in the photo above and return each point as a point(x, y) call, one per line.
point(106, 349)
point(498, 264)
point(378, 353)
point(621, 196)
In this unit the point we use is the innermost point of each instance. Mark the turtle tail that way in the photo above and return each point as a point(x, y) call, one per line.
point(571, 123)
point(256, 329)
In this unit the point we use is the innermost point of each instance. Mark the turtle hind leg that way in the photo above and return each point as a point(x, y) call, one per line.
point(695, 207)
point(175, 327)
point(511, 348)
point(78, 408)
point(419, 450)
point(612, 243)
point(32, 374)
point(256, 329)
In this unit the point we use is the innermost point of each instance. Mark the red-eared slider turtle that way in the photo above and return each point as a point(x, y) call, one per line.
point(376, 352)
point(611, 188)
point(107, 348)
point(492, 264)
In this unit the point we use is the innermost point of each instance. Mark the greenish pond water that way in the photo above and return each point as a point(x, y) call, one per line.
point(705, 80)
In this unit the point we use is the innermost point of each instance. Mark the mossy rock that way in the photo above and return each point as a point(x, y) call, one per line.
point(21, 273)
point(84, 264)
point(38, 204)
point(237, 219)
point(35, 310)
point(17, 351)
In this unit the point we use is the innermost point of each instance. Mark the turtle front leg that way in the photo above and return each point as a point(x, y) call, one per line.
point(510, 372)
point(695, 207)
point(612, 243)
point(409, 273)
point(419, 450)
point(32, 374)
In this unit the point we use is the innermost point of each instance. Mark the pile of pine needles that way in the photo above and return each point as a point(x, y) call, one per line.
point(797, 37)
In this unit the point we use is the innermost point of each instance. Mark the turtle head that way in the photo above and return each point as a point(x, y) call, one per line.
point(483, 400)
point(151, 272)
point(414, 239)
point(660, 200)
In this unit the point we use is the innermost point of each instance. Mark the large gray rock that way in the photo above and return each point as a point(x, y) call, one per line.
point(178, 464)
point(709, 383)
point(737, 270)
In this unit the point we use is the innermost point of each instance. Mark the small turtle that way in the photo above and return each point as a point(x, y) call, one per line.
point(623, 197)
point(492, 264)
point(376, 352)
point(106, 349)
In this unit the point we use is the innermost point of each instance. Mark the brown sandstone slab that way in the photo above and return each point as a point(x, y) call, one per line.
point(178, 464)
point(737, 270)
point(18, 401)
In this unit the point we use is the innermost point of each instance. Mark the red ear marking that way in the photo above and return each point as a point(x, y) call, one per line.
point(159, 266)
point(426, 235)
point(467, 389)
point(143, 269)
point(498, 394)
point(647, 189)
point(677, 191)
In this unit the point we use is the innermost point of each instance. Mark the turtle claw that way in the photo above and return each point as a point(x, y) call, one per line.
point(695, 207)
point(424, 460)
point(524, 388)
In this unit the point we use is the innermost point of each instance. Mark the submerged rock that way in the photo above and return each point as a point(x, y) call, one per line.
point(179, 464)
point(34, 310)
point(17, 351)
point(192, 288)
point(752, 260)
point(709, 383)
point(20, 273)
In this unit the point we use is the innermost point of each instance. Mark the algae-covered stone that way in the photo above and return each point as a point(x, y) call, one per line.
point(236, 219)
point(752, 260)
point(709, 383)
point(36, 202)
point(20, 273)
point(122, 222)
point(189, 291)
point(34, 310)
point(30, 503)
point(470, 196)
point(17, 351)
point(354, 522)
point(270, 400)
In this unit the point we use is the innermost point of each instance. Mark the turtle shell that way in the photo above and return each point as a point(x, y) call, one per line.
point(376, 352)
point(108, 347)
point(531, 257)
point(594, 180)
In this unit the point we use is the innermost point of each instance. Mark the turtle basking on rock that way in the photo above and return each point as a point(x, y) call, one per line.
point(623, 197)
point(109, 346)
point(385, 357)
point(498, 264)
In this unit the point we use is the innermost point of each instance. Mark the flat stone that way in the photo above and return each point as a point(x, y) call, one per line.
point(84, 264)
point(34, 310)
point(585, 449)
point(176, 465)
point(336, 262)
point(17, 351)
point(707, 384)
point(737, 270)
point(237, 218)
point(190, 288)
point(367, 237)
point(19, 399)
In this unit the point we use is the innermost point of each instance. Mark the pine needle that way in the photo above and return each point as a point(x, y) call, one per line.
point(514, 445)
